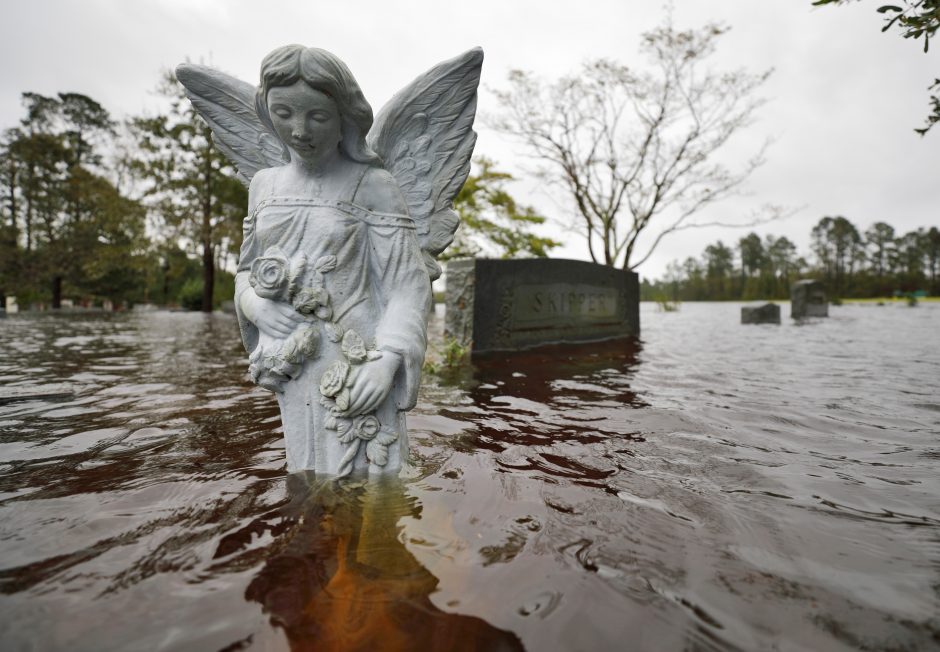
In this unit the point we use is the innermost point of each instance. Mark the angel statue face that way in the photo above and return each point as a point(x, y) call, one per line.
point(307, 121)
point(314, 105)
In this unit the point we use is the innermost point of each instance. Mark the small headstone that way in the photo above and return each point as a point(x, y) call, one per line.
point(506, 305)
point(12, 306)
point(769, 313)
point(10, 394)
point(808, 299)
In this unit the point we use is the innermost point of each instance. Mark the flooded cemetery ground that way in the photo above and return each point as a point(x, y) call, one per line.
point(713, 487)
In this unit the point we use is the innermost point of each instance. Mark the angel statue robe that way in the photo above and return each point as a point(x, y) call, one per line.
point(359, 279)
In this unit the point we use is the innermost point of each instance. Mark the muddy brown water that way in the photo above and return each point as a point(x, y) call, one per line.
point(714, 487)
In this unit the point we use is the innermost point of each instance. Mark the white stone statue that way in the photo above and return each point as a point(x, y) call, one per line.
point(345, 219)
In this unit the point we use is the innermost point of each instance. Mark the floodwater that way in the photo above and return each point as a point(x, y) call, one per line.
point(715, 487)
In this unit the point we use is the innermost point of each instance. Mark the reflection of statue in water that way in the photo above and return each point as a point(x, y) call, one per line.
point(343, 581)
point(345, 221)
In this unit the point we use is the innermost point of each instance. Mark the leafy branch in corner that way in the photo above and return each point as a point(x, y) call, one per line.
point(915, 19)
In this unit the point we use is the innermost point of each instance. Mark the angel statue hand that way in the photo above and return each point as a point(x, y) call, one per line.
point(372, 384)
point(273, 318)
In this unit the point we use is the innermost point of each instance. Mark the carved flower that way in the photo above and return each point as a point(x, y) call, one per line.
point(284, 367)
point(307, 300)
point(334, 378)
point(325, 264)
point(267, 379)
point(298, 266)
point(272, 371)
point(269, 274)
point(291, 349)
point(309, 340)
point(345, 431)
point(367, 427)
point(342, 399)
point(334, 332)
point(377, 449)
point(353, 347)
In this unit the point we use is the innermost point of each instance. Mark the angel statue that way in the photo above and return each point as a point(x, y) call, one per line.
point(345, 219)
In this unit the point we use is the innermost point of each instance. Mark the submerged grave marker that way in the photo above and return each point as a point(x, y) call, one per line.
point(808, 299)
point(768, 313)
point(506, 305)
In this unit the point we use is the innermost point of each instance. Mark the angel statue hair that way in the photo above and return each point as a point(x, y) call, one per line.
point(346, 217)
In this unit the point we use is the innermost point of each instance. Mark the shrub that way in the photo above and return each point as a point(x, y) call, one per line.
point(190, 296)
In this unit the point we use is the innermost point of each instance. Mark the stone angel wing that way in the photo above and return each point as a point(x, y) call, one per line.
point(425, 138)
point(228, 105)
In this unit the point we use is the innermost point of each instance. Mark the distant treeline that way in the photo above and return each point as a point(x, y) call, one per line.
point(95, 212)
point(148, 210)
point(852, 264)
point(92, 210)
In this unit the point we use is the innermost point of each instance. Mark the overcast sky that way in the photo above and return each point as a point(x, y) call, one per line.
point(843, 100)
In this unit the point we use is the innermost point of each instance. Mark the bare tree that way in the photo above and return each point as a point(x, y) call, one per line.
point(628, 147)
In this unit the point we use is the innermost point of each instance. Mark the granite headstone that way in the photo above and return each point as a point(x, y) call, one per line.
point(769, 313)
point(505, 305)
point(808, 299)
